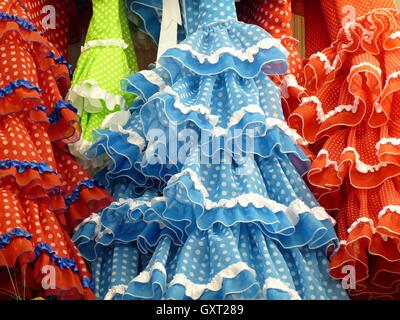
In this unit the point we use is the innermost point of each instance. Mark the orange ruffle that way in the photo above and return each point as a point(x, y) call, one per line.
point(368, 226)
point(34, 219)
point(353, 80)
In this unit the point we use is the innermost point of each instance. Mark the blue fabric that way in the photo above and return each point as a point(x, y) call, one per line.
point(23, 23)
point(221, 221)
point(149, 13)
point(12, 86)
point(22, 166)
point(6, 238)
point(55, 116)
point(75, 194)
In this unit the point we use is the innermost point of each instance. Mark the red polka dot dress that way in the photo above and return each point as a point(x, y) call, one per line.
point(351, 114)
point(44, 193)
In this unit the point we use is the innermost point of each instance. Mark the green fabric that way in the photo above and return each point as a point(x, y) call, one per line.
point(103, 65)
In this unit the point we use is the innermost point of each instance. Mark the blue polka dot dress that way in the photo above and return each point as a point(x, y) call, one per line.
point(227, 214)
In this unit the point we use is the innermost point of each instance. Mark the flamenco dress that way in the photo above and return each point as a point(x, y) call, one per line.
point(351, 114)
point(106, 58)
point(147, 16)
point(275, 16)
point(231, 223)
point(44, 193)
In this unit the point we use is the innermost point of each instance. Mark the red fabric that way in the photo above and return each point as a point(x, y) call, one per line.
point(32, 200)
point(350, 112)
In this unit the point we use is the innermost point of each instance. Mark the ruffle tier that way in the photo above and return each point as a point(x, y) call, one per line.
point(33, 241)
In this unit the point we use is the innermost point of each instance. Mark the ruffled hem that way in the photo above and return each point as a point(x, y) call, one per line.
point(89, 96)
point(19, 95)
point(44, 51)
point(373, 250)
point(261, 53)
point(87, 197)
point(16, 249)
point(36, 178)
point(234, 278)
point(330, 174)
point(358, 44)
point(148, 14)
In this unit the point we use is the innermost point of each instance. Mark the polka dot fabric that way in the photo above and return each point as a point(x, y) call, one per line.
point(107, 57)
point(351, 113)
point(218, 225)
point(276, 17)
point(39, 198)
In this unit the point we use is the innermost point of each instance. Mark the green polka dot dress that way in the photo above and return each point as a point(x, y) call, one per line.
point(107, 57)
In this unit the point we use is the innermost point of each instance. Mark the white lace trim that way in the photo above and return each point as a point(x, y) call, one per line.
point(94, 217)
point(393, 75)
point(395, 35)
point(115, 119)
point(391, 208)
point(195, 290)
point(88, 96)
point(275, 283)
point(322, 116)
point(327, 64)
point(293, 211)
point(362, 220)
point(79, 149)
point(206, 112)
point(133, 204)
point(247, 55)
point(104, 43)
point(195, 179)
point(153, 78)
point(146, 275)
point(289, 81)
point(360, 165)
point(392, 141)
point(133, 137)
point(292, 133)
point(119, 289)
point(236, 118)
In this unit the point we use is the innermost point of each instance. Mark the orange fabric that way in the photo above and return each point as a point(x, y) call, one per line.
point(349, 112)
point(37, 174)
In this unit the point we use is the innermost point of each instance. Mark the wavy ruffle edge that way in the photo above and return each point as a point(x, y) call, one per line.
point(359, 42)
point(373, 251)
point(16, 246)
point(89, 96)
point(265, 53)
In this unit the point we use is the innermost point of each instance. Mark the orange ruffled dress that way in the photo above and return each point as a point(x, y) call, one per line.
point(44, 193)
point(352, 113)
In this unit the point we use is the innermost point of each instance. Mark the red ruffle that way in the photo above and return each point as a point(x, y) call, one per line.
point(368, 58)
point(19, 254)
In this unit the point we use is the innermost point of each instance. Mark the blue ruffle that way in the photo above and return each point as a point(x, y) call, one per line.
point(23, 23)
point(55, 116)
point(6, 238)
point(140, 85)
point(87, 282)
point(21, 166)
point(75, 194)
point(41, 108)
point(149, 13)
point(229, 37)
point(63, 263)
point(61, 60)
point(121, 223)
point(206, 254)
point(12, 86)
